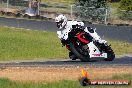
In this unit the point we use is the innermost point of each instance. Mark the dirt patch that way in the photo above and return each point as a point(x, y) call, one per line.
point(50, 74)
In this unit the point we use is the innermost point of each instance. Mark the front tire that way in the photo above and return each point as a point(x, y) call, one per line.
point(110, 53)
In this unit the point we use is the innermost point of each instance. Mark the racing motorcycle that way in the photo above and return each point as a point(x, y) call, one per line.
point(84, 47)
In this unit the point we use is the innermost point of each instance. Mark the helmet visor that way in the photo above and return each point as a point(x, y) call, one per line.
point(59, 24)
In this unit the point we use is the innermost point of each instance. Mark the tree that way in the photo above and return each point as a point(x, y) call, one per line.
point(126, 5)
point(125, 9)
point(91, 10)
point(18, 2)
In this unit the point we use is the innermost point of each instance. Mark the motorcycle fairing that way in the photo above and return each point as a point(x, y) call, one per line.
point(93, 34)
point(94, 51)
point(81, 37)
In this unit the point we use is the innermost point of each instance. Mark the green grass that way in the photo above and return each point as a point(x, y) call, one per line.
point(59, 6)
point(6, 83)
point(57, 10)
point(114, 5)
point(58, 1)
point(114, 9)
point(120, 47)
point(22, 44)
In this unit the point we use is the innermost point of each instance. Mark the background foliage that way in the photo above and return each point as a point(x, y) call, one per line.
point(91, 10)
point(125, 9)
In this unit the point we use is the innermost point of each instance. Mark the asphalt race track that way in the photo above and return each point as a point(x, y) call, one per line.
point(114, 32)
point(123, 61)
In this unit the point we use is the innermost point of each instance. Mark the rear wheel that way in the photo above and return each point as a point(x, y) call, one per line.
point(72, 56)
point(79, 54)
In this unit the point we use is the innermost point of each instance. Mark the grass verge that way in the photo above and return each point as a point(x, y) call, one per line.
point(59, 1)
point(6, 83)
point(114, 10)
point(21, 44)
point(120, 47)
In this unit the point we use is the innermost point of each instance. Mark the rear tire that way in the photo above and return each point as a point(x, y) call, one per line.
point(79, 55)
point(72, 56)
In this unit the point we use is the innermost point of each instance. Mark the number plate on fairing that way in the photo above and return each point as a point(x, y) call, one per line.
point(104, 55)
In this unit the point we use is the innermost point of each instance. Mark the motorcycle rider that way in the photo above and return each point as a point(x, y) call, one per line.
point(66, 26)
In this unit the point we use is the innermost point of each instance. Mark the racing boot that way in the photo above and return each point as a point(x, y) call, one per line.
point(72, 56)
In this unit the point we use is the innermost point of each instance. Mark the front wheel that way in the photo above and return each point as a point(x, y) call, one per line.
point(83, 58)
point(110, 53)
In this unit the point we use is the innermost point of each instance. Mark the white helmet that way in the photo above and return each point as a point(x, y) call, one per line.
point(61, 21)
